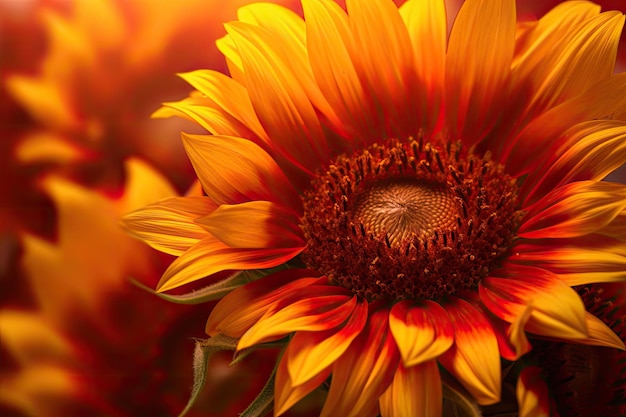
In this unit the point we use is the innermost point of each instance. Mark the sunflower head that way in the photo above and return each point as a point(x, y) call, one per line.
point(401, 201)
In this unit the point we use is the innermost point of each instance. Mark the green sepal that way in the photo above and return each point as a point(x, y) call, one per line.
point(242, 354)
point(458, 403)
point(263, 404)
point(201, 355)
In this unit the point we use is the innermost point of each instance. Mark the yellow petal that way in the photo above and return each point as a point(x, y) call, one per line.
point(329, 44)
point(422, 332)
point(286, 395)
point(243, 307)
point(234, 170)
point(47, 147)
point(575, 209)
point(169, 225)
point(557, 310)
point(590, 151)
point(415, 392)
point(281, 104)
point(309, 353)
point(474, 358)
point(45, 102)
point(317, 312)
point(210, 256)
point(480, 52)
point(364, 371)
point(573, 64)
point(228, 95)
point(385, 60)
point(255, 224)
point(577, 261)
point(600, 334)
point(604, 100)
point(290, 29)
point(102, 23)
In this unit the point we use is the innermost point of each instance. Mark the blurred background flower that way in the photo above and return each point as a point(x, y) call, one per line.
point(79, 80)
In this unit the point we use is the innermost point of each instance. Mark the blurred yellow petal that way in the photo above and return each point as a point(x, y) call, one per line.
point(92, 254)
point(532, 394)
point(30, 338)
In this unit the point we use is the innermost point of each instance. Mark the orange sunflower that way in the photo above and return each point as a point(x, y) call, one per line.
point(435, 197)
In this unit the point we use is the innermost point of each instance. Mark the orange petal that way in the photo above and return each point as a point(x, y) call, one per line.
point(321, 309)
point(421, 332)
point(427, 28)
point(600, 334)
point(385, 61)
point(540, 39)
point(210, 256)
point(255, 224)
point(281, 104)
point(512, 340)
point(291, 30)
point(228, 95)
point(573, 61)
point(203, 111)
point(590, 151)
point(606, 98)
point(480, 52)
point(234, 170)
point(575, 209)
point(243, 307)
point(576, 261)
point(286, 394)
point(309, 353)
point(557, 310)
point(329, 44)
point(415, 392)
point(364, 371)
point(474, 358)
point(532, 394)
point(168, 225)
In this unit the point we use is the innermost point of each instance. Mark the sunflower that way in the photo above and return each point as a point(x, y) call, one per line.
point(435, 197)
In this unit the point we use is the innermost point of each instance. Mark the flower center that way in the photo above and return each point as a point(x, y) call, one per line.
point(409, 220)
point(404, 208)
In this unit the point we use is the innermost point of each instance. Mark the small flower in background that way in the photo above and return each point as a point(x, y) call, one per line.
point(420, 204)
point(561, 379)
point(79, 80)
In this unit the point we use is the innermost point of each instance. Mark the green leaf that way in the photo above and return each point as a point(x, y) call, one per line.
point(216, 290)
point(458, 403)
point(201, 355)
